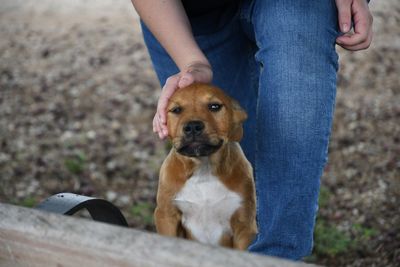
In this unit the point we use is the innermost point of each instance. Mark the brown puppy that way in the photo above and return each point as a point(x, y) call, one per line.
point(206, 188)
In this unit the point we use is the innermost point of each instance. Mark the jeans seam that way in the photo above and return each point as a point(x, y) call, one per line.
point(257, 149)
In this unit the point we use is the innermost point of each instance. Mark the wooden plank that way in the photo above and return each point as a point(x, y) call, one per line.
point(29, 237)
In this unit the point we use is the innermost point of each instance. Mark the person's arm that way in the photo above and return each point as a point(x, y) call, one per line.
point(169, 23)
point(358, 11)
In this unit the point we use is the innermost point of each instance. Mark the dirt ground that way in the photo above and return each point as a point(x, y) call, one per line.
point(77, 95)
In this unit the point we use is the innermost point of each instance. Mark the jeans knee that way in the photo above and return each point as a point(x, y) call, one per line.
point(302, 29)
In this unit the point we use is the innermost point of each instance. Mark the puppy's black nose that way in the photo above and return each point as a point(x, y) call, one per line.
point(193, 128)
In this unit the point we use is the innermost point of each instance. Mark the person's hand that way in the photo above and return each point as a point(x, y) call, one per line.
point(358, 11)
point(195, 72)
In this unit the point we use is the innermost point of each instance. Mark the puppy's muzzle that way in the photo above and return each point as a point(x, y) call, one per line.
point(193, 128)
point(195, 142)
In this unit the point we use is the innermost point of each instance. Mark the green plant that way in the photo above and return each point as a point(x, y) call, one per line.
point(28, 202)
point(330, 241)
point(143, 211)
point(324, 196)
point(76, 163)
point(363, 234)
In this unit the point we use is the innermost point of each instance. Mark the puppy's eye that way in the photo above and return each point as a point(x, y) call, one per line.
point(176, 110)
point(214, 107)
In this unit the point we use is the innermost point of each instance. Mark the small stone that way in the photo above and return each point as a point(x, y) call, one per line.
point(111, 195)
point(4, 157)
point(124, 200)
point(111, 165)
point(77, 125)
point(132, 134)
point(91, 135)
point(115, 125)
point(66, 136)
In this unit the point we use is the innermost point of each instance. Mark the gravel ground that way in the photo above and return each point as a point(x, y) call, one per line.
point(77, 95)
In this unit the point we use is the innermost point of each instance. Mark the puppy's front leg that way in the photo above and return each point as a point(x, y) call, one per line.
point(244, 229)
point(243, 238)
point(167, 216)
point(168, 220)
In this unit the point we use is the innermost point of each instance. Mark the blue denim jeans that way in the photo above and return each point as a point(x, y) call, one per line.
point(278, 59)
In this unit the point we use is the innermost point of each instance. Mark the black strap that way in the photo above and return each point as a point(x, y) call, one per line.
point(68, 204)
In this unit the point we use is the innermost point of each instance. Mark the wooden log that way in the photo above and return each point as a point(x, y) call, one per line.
point(29, 237)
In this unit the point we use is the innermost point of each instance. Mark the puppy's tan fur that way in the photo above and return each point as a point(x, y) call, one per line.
point(228, 163)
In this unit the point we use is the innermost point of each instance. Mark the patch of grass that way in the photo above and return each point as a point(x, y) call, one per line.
point(143, 211)
point(330, 241)
point(363, 234)
point(28, 202)
point(76, 163)
point(324, 196)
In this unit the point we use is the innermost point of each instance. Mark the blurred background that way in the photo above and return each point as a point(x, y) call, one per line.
point(77, 96)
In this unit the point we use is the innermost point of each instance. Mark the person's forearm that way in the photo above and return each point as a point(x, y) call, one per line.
point(168, 22)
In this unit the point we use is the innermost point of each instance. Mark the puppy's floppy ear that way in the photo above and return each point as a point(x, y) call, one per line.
point(238, 117)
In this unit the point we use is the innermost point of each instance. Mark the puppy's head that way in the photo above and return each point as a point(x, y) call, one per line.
point(201, 118)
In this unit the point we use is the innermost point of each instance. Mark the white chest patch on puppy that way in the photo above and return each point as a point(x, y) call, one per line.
point(207, 205)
